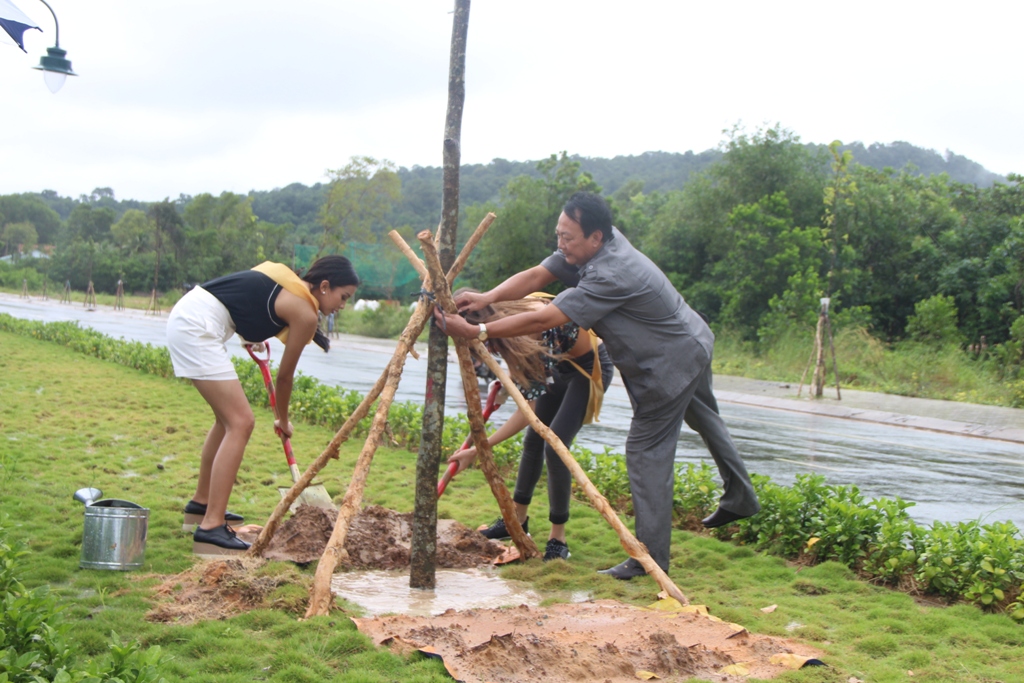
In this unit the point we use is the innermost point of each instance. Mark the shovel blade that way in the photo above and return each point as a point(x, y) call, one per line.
point(315, 495)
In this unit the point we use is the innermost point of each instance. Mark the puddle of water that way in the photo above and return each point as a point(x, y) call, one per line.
point(388, 592)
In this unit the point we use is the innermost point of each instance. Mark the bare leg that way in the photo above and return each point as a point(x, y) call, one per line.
point(235, 421)
point(210, 447)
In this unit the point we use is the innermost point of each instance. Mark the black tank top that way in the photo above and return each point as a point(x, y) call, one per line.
point(249, 297)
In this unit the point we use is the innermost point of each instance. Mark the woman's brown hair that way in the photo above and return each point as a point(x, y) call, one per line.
point(523, 355)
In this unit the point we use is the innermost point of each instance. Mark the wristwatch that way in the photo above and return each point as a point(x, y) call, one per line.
point(482, 334)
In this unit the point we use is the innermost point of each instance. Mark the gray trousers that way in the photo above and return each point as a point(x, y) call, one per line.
point(650, 462)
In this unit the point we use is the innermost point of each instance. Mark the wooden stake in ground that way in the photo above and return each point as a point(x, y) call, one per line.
point(152, 308)
point(527, 548)
point(119, 296)
point(90, 297)
point(65, 298)
point(823, 328)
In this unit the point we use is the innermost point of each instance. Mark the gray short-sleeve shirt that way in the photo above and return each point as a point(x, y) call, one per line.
point(658, 343)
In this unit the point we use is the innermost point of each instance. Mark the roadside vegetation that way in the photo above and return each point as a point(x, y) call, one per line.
point(71, 420)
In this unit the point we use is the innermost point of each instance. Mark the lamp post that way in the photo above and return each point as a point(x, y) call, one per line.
point(54, 66)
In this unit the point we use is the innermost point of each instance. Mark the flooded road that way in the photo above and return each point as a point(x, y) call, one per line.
point(950, 476)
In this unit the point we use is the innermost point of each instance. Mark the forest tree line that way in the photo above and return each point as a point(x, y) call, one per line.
point(752, 234)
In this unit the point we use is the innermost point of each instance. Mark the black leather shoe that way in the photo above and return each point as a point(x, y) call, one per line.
point(721, 517)
point(217, 542)
point(624, 571)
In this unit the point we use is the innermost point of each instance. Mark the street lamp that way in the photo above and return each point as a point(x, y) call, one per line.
point(54, 66)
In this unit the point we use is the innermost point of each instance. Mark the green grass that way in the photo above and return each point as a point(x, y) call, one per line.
point(68, 421)
point(865, 363)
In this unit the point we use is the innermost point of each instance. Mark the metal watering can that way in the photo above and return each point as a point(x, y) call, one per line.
point(114, 533)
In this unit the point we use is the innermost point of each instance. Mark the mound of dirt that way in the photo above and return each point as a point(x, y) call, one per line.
point(378, 538)
point(595, 641)
point(218, 589)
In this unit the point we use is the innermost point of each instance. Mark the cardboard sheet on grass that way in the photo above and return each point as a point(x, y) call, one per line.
point(595, 641)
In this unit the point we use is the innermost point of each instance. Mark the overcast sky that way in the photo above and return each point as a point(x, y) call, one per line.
point(199, 96)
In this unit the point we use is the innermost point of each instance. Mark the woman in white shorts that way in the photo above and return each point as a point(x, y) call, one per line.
point(269, 300)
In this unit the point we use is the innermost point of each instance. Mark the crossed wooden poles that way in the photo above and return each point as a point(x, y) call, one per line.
point(435, 280)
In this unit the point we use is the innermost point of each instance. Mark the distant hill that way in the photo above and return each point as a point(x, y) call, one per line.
point(420, 207)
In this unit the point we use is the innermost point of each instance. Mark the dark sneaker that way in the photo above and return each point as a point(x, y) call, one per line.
point(217, 542)
point(498, 532)
point(556, 550)
point(194, 513)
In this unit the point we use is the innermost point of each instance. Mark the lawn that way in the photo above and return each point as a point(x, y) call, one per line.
point(69, 421)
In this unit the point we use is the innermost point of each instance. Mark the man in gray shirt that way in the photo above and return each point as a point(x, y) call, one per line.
point(661, 347)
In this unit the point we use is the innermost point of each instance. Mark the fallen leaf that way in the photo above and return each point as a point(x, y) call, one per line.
point(646, 675)
point(910, 673)
point(811, 541)
point(737, 669)
point(790, 661)
point(853, 679)
point(769, 609)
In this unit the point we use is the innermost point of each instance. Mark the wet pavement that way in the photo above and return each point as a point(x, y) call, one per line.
point(957, 461)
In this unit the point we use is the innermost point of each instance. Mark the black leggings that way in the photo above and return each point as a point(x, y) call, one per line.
point(562, 407)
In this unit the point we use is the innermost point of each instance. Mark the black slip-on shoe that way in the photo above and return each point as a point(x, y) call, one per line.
point(498, 532)
point(195, 512)
point(217, 542)
point(624, 571)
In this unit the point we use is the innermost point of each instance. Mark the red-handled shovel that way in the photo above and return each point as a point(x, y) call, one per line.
point(314, 494)
point(489, 407)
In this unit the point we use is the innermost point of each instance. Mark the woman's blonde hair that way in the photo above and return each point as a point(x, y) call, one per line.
point(523, 355)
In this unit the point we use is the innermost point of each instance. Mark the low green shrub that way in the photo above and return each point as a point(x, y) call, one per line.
point(33, 641)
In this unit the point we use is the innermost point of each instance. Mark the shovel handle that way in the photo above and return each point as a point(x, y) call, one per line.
point(264, 364)
point(489, 408)
point(268, 381)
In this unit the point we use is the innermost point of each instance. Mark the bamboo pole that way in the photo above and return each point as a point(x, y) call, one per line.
point(320, 595)
point(527, 548)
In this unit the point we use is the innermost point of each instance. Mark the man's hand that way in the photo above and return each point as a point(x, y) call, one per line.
point(468, 302)
point(455, 325)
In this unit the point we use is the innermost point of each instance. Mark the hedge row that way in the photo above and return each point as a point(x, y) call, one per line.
point(809, 521)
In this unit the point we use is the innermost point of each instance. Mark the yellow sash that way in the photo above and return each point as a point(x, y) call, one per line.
point(284, 276)
point(596, 386)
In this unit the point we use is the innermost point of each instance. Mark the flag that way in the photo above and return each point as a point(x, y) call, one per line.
point(15, 23)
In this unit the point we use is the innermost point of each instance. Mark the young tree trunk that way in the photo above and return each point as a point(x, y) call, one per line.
point(423, 550)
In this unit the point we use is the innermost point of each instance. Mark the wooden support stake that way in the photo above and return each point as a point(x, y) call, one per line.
point(527, 548)
point(467, 249)
point(320, 596)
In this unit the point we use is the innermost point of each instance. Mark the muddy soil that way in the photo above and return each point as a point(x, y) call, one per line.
point(602, 641)
point(378, 538)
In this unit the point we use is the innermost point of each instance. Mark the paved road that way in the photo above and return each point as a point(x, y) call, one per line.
point(957, 461)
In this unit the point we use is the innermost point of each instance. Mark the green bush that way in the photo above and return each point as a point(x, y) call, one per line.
point(934, 321)
point(33, 644)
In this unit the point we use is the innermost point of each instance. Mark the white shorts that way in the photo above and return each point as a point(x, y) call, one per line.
point(197, 330)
